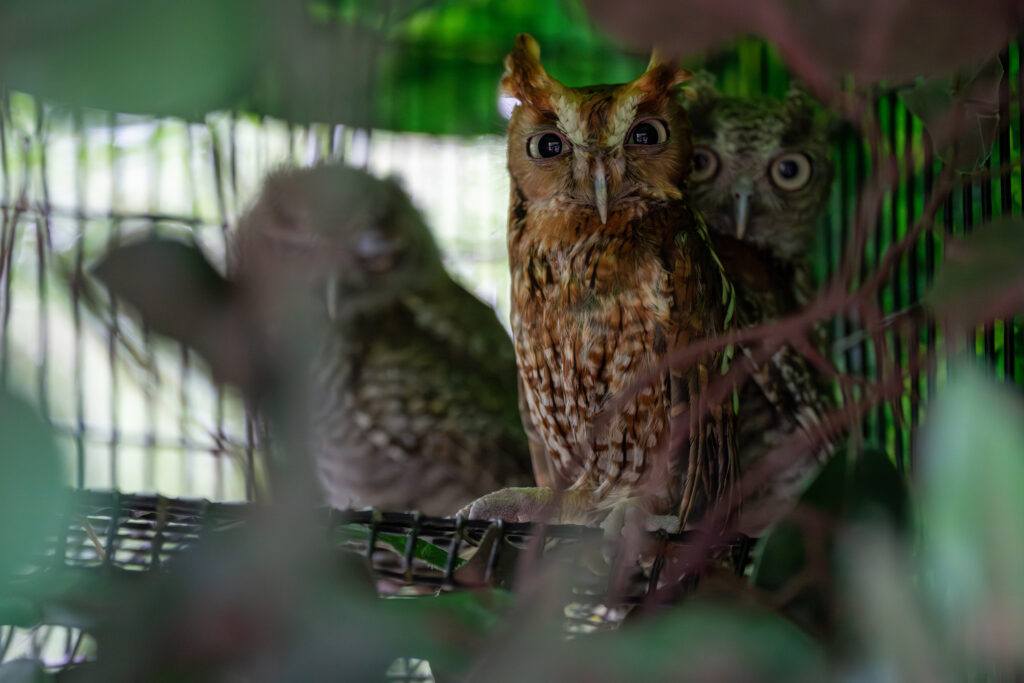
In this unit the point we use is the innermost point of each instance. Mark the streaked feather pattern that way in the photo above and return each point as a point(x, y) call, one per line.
point(597, 303)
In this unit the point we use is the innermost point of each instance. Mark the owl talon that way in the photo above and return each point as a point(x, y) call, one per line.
point(630, 514)
point(536, 504)
point(513, 504)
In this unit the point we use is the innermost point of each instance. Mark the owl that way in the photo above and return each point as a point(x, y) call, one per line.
point(762, 174)
point(610, 269)
point(339, 322)
point(413, 402)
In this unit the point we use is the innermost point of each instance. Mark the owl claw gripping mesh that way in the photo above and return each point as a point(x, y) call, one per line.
point(610, 269)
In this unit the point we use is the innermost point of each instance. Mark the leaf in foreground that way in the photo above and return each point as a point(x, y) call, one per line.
point(972, 514)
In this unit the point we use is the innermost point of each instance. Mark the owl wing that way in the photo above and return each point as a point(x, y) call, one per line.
point(492, 347)
point(416, 408)
point(786, 399)
point(544, 471)
point(469, 328)
point(798, 396)
point(703, 301)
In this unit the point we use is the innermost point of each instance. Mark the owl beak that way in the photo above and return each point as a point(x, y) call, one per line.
point(601, 191)
point(741, 194)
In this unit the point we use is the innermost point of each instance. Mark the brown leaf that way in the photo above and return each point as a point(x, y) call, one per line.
point(961, 113)
point(981, 278)
point(894, 40)
point(179, 294)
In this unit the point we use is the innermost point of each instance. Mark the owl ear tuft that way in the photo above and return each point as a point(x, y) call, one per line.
point(700, 89)
point(525, 78)
point(798, 102)
point(803, 110)
point(663, 74)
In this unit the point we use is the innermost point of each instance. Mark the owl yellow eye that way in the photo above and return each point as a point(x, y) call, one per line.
point(546, 145)
point(648, 132)
point(705, 164)
point(791, 171)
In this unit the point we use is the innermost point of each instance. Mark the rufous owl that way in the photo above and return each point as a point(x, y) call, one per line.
point(611, 268)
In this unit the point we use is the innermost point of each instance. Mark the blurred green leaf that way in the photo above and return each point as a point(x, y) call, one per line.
point(780, 557)
point(972, 514)
point(23, 671)
point(449, 629)
point(895, 631)
point(16, 611)
point(71, 598)
point(172, 57)
point(707, 643)
point(980, 278)
point(852, 487)
point(698, 642)
point(31, 483)
point(415, 65)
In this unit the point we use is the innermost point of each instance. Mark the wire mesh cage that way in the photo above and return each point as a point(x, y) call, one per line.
point(136, 533)
point(410, 555)
point(141, 415)
point(74, 183)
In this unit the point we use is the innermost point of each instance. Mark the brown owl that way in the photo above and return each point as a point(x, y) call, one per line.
point(610, 268)
point(340, 321)
point(762, 173)
point(412, 379)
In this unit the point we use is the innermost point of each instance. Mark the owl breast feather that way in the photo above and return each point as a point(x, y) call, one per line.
point(589, 316)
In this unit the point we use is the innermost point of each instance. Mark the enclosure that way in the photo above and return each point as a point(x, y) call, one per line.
point(151, 533)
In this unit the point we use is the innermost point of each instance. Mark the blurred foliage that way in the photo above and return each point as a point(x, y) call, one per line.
point(231, 609)
point(31, 491)
point(174, 58)
point(981, 277)
point(394, 65)
point(952, 605)
point(203, 310)
point(432, 65)
point(972, 515)
point(454, 48)
point(31, 483)
point(872, 40)
point(703, 642)
point(938, 600)
point(797, 558)
point(961, 112)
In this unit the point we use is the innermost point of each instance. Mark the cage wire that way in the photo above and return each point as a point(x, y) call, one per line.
point(139, 414)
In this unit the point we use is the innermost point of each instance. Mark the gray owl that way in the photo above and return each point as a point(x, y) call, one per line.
point(343, 329)
point(412, 383)
point(761, 175)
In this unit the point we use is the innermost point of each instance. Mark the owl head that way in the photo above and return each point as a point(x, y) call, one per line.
point(595, 148)
point(762, 168)
point(355, 239)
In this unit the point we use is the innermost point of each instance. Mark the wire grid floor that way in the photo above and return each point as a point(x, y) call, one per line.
point(115, 531)
point(108, 531)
